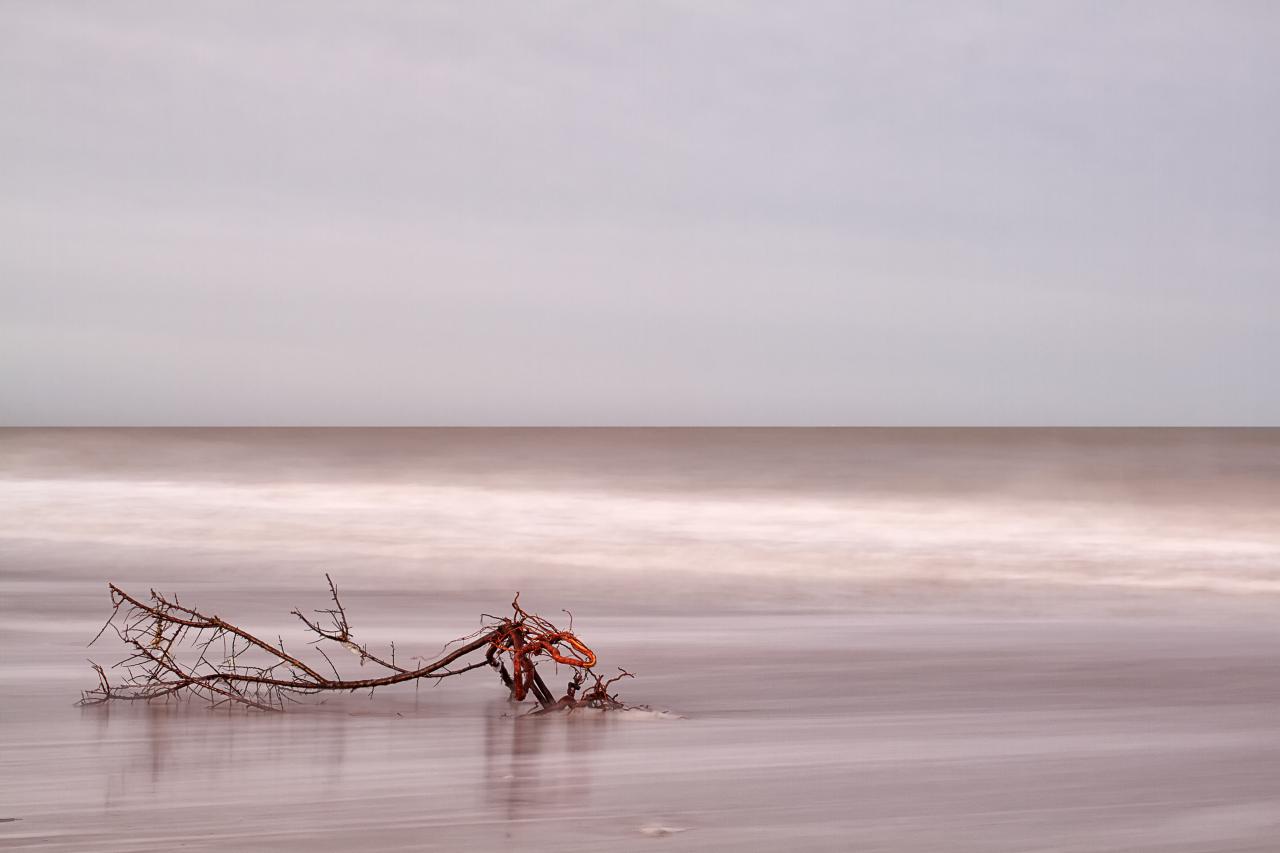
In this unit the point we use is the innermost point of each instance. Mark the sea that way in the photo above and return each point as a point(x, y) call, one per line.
point(964, 640)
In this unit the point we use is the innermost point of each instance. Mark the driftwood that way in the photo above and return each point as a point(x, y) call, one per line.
point(179, 652)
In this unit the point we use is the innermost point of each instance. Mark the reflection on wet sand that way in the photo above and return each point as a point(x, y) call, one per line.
point(535, 767)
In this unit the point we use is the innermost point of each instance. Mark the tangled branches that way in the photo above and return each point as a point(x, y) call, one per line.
point(180, 652)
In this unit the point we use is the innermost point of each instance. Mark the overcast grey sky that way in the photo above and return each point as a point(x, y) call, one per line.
point(640, 213)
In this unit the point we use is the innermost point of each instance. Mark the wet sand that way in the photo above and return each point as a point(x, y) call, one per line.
point(930, 714)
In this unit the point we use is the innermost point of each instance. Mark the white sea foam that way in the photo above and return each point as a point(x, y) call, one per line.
point(763, 535)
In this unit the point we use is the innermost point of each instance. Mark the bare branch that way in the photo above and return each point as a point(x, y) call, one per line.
point(169, 644)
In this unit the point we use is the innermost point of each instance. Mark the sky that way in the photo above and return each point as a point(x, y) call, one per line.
point(639, 213)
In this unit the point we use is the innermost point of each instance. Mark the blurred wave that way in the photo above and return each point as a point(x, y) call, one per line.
point(1149, 509)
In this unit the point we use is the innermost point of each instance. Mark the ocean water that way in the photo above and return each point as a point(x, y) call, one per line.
point(970, 640)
